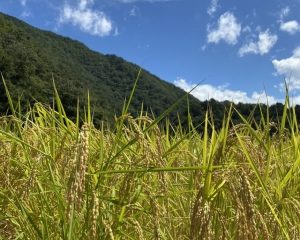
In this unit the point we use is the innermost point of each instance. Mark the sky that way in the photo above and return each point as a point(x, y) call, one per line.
point(237, 50)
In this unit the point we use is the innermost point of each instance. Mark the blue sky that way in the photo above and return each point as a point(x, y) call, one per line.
point(237, 50)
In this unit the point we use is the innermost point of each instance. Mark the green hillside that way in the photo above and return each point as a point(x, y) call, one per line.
point(30, 58)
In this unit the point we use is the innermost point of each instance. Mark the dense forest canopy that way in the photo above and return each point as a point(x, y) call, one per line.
point(30, 59)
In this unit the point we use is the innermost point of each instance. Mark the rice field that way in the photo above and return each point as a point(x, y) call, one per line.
point(63, 179)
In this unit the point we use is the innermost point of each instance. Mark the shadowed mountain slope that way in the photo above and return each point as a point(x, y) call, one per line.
point(30, 58)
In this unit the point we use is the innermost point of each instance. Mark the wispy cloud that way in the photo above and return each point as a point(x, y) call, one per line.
point(291, 27)
point(284, 12)
point(25, 14)
point(220, 93)
point(214, 5)
point(290, 69)
point(228, 30)
point(246, 29)
point(86, 18)
point(23, 2)
point(134, 11)
point(262, 46)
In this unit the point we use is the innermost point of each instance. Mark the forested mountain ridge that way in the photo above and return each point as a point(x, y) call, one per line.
point(31, 58)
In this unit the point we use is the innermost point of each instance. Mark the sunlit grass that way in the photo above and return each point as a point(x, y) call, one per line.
point(139, 180)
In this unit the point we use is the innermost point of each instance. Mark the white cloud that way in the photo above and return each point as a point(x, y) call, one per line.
point(295, 100)
point(23, 2)
point(265, 42)
point(291, 27)
point(134, 11)
point(203, 47)
point(290, 69)
point(206, 91)
point(25, 14)
point(88, 20)
point(228, 30)
point(83, 4)
point(284, 12)
point(214, 4)
point(246, 29)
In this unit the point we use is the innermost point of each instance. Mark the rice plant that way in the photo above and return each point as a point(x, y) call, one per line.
point(60, 179)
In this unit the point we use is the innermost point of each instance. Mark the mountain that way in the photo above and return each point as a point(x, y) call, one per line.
point(30, 58)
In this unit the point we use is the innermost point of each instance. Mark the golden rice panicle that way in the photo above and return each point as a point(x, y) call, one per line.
point(201, 222)
point(109, 232)
point(77, 188)
point(138, 228)
point(83, 159)
point(243, 200)
point(95, 214)
point(155, 215)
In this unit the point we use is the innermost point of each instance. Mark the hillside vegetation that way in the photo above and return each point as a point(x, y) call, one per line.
point(31, 59)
